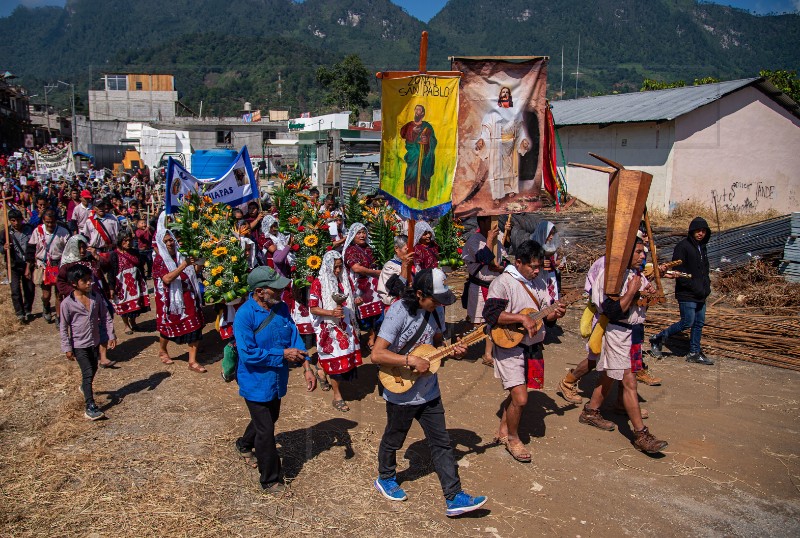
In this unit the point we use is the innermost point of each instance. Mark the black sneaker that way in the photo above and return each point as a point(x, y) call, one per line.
point(699, 358)
point(92, 412)
point(656, 345)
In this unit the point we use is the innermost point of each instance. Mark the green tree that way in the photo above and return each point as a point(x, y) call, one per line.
point(649, 84)
point(705, 80)
point(786, 81)
point(347, 85)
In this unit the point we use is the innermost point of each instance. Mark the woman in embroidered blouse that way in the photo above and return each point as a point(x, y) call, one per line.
point(335, 325)
point(179, 313)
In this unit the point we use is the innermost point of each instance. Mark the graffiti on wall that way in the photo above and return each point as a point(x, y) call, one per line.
point(743, 195)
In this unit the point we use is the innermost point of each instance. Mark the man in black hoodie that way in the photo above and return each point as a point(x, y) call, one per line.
point(690, 292)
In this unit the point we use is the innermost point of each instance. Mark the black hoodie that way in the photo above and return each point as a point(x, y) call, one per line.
point(695, 262)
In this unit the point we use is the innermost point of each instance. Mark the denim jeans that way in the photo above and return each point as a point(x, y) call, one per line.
point(87, 359)
point(693, 315)
point(430, 416)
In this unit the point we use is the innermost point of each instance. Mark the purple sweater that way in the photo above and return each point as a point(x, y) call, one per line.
point(81, 328)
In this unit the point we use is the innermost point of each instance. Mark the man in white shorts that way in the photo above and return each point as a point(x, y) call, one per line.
point(622, 345)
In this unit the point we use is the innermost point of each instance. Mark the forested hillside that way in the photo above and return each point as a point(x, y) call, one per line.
point(227, 51)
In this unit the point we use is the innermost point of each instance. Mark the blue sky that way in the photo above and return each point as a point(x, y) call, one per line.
point(425, 9)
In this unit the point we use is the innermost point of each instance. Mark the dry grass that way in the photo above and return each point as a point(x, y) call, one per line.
point(683, 213)
point(758, 284)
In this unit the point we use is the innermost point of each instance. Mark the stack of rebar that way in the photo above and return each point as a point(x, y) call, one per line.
point(742, 334)
point(738, 246)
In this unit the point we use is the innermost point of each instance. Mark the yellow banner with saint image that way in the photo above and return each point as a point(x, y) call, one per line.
point(419, 144)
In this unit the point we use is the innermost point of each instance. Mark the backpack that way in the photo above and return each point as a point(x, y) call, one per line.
point(230, 355)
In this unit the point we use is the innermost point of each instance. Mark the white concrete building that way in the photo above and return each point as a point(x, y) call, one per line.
point(134, 98)
point(737, 142)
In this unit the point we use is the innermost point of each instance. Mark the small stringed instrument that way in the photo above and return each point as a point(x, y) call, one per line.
point(649, 270)
point(508, 336)
point(400, 379)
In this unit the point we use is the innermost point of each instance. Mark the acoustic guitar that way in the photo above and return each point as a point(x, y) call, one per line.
point(399, 379)
point(508, 336)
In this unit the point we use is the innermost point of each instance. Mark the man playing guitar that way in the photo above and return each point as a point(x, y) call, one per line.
point(520, 367)
point(418, 319)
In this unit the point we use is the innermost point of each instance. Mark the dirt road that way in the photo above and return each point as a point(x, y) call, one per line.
point(163, 463)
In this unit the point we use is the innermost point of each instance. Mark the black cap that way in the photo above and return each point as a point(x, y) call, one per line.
point(431, 283)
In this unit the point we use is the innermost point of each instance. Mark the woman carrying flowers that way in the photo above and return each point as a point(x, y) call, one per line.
point(335, 325)
point(179, 314)
point(363, 274)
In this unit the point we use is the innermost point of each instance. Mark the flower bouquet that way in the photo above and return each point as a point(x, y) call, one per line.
point(310, 243)
point(383, 225)
point(449, 233)
point(188, 225)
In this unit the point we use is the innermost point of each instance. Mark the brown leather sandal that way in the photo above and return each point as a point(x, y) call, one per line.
point(518, 451)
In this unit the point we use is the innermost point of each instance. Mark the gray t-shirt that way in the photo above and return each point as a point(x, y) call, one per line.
point(397, 328)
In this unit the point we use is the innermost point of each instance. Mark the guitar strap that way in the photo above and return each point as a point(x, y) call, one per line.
point(413, 340)
point(538, 306)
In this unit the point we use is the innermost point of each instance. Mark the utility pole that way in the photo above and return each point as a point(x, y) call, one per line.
point(578, 67)
point(48, 88)
point(74, 125)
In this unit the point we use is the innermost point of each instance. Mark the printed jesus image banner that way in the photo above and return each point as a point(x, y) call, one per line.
point(501, 121)
point(418, 144)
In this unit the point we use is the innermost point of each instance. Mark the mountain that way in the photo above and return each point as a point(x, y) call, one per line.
point(227, 51)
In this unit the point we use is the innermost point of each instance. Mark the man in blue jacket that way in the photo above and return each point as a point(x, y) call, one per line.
point(691, 293)
point(267, 340)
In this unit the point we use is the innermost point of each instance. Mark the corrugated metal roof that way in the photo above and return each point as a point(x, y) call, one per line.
point(657, 105)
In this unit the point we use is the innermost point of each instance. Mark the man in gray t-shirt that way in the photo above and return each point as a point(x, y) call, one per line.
point(418, 319)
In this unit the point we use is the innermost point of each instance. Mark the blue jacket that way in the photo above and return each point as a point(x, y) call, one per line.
point(263, 373)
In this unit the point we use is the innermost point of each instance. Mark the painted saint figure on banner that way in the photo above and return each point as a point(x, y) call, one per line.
point(503, 141)
point(420, 155)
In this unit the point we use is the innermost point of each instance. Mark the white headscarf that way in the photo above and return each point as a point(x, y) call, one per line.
point(251, 260)
point(419, 230)
point(330, 284)
point(540, 236)
point(351, 234)
point(279, 239)
point(176, 305)
point(72, 249)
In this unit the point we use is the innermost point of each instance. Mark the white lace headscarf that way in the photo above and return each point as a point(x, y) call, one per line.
point(72, 249)
point(543, 229)
point(351, 234)
point(251, 260)
point(279, 239)
point(419, 230)
point(330, 284)
point(176, 305)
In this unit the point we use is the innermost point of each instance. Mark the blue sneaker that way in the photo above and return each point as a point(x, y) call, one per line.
point(390, 489)
point(463, 503)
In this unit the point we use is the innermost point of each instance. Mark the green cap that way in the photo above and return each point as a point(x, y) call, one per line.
point(266, 277)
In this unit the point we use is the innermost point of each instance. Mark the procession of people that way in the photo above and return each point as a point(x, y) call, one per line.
point(85, 243)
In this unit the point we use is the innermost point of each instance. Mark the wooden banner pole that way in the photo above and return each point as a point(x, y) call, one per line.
point(652, 241)
point(423, 68)
point(8, 239)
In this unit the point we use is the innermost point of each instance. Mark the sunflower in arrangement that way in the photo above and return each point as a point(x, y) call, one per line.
point(310, 238)
point(206, 231)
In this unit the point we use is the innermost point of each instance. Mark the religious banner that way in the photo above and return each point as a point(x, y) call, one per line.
point(59, 163)
point(500, 135)
point(235, 187)
point(418, 144)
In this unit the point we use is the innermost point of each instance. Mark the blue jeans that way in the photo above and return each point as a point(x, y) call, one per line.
point(693, 315)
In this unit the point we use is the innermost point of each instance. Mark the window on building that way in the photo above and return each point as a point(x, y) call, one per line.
point(269, 135)
point(224, 138)
point(138, 85)
point(116, 82)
